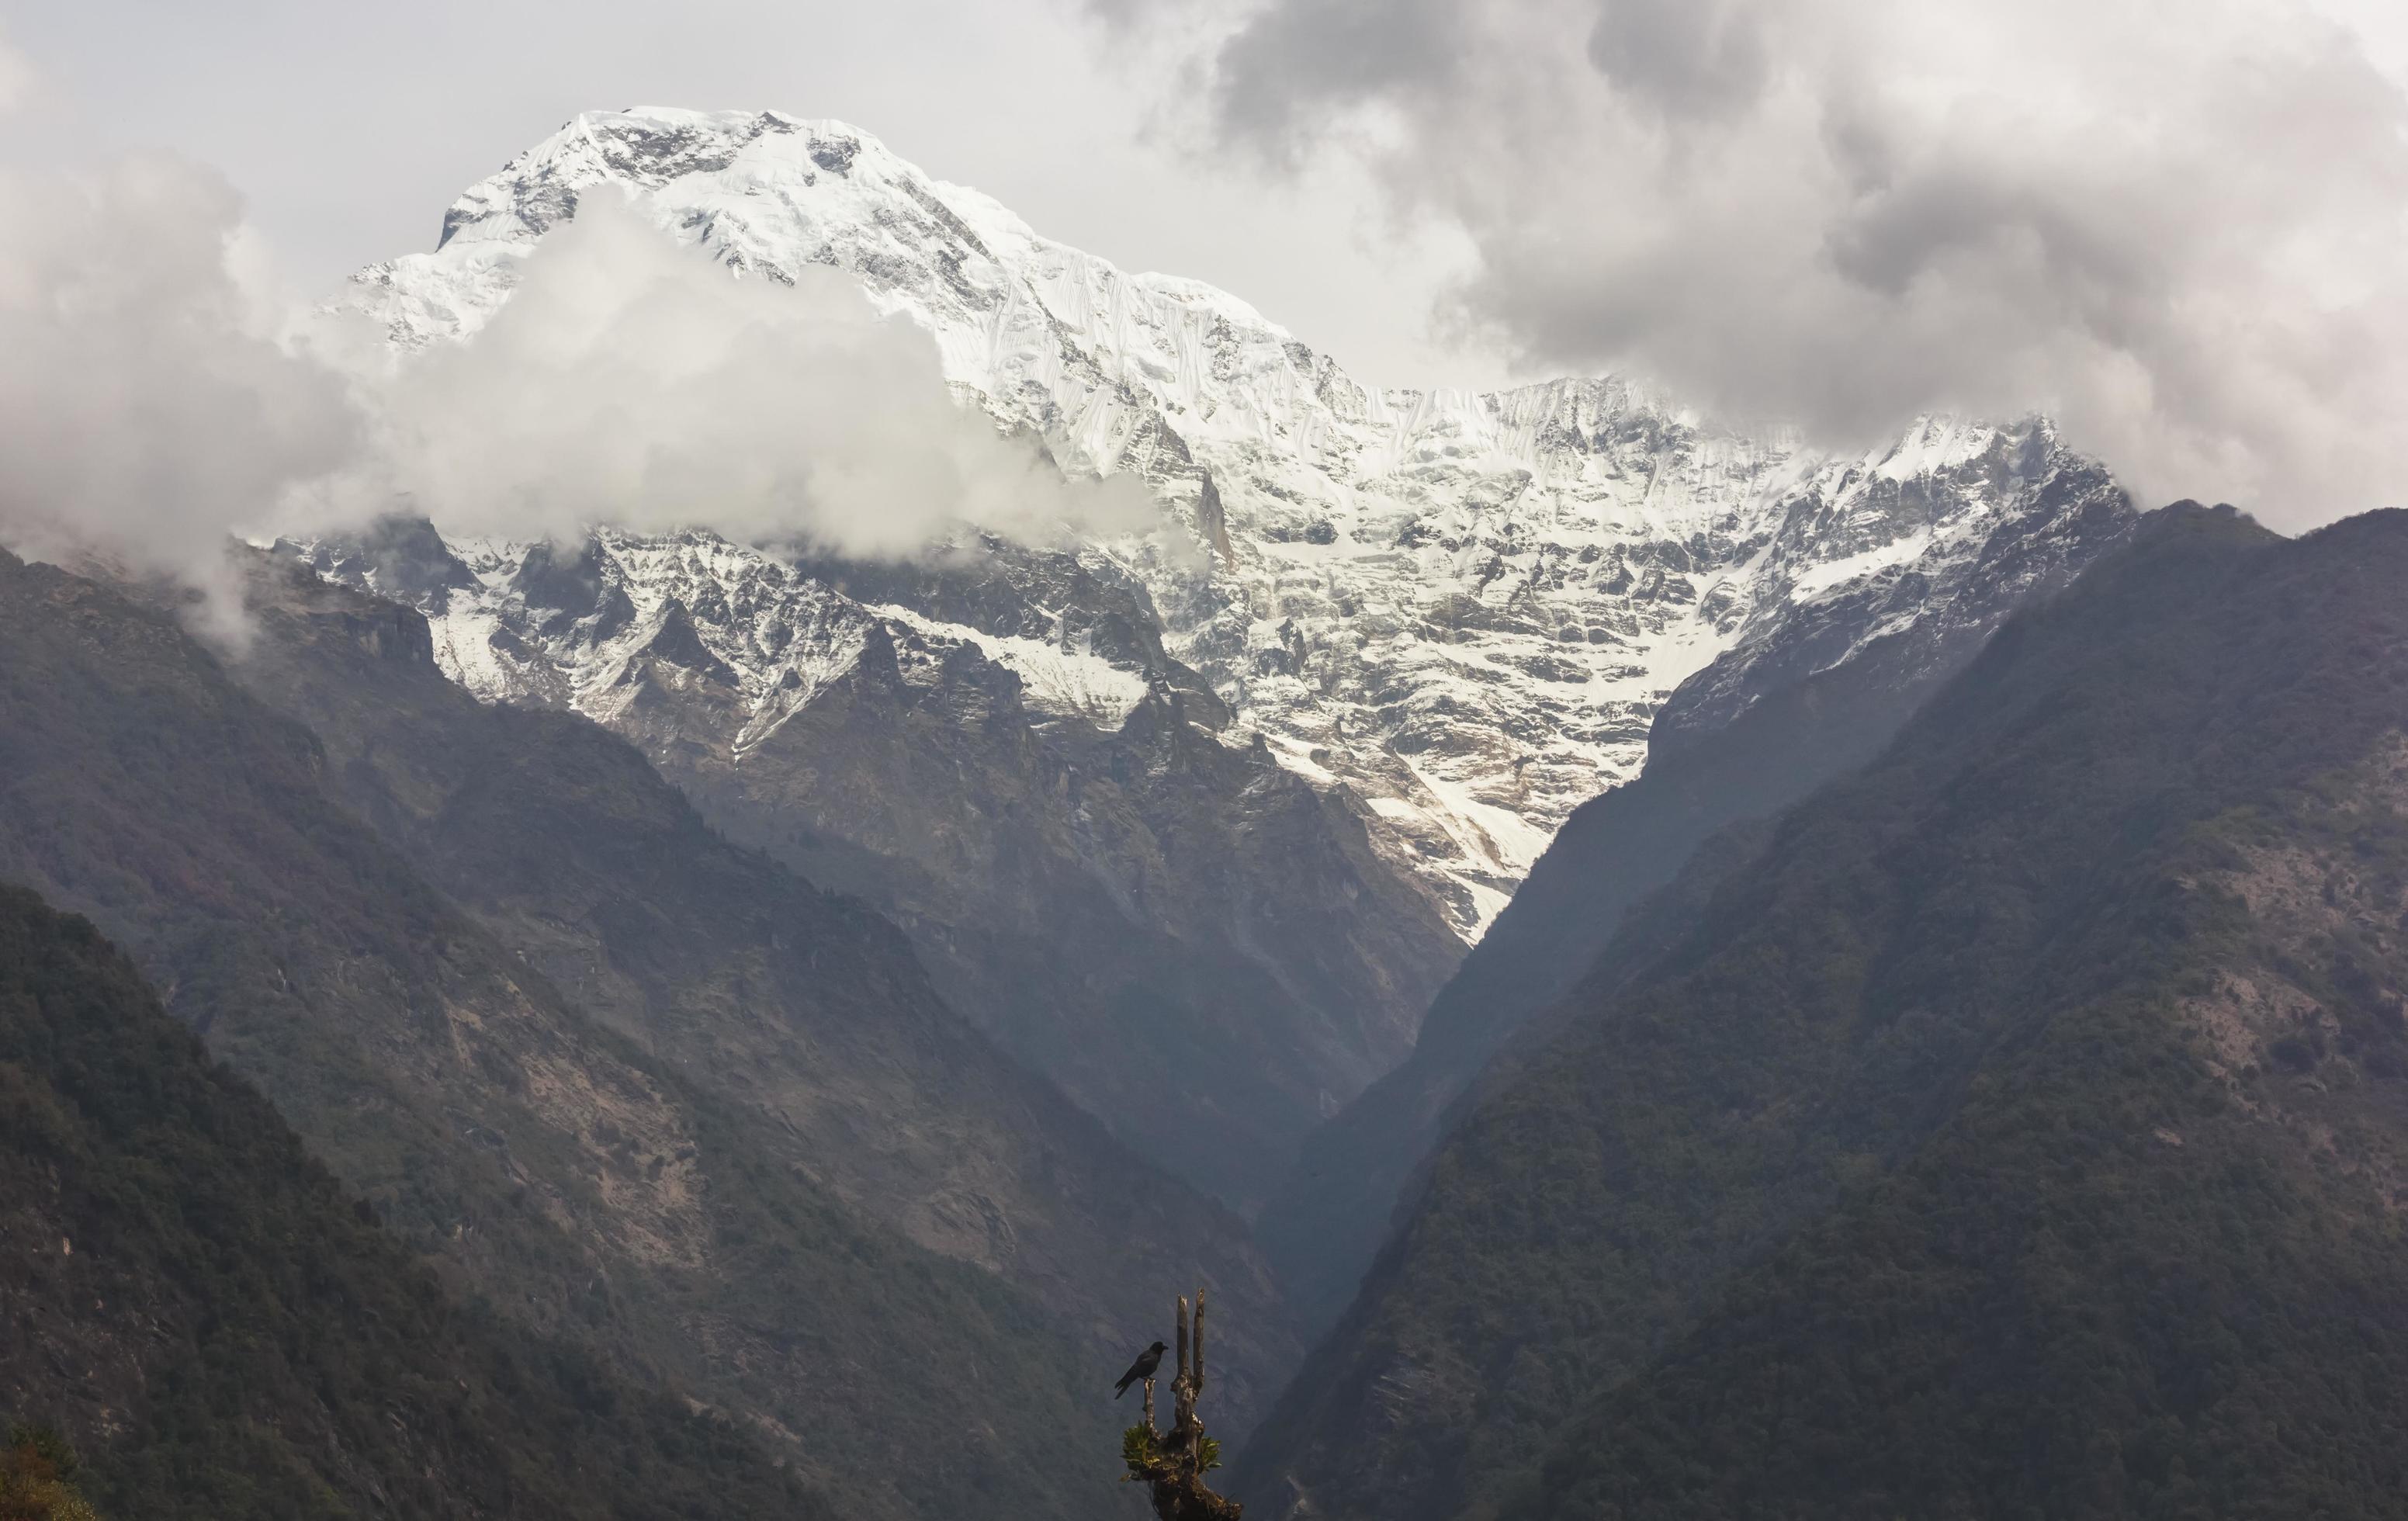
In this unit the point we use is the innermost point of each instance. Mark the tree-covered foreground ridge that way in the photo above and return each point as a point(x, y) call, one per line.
point(37, 1477)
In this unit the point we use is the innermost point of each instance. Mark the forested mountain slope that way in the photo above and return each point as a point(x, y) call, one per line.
point(1760, 728)
point(802, 1008)
point(545, 1161)
point(2016, 1129)
point(193, 1299)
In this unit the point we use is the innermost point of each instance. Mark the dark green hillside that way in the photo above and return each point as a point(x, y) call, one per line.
point(1611, 854)
point(1748, 735)
point(2104, 1289)
point(226, 1335)
point(546, 1164)
point(1857, 1204)
point(559, 838)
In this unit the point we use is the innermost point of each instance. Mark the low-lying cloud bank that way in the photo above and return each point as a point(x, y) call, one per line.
point(146, 403)
point(156, 399)
point(2177, 226)
point(631, 380)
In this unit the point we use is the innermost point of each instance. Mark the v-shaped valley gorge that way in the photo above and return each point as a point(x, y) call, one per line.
point(1699, 976)
point(1197, 823)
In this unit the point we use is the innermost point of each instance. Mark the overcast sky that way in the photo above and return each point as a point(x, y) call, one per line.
point(350, 128)
point(2159, 218)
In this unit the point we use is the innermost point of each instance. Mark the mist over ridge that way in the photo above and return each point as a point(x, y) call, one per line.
point(2174, 229)
point(159, 394)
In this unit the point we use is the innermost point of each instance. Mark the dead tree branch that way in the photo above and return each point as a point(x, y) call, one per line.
point(1173, 1464)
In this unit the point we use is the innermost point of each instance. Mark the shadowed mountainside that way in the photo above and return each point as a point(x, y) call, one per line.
point(2018, 1124)
point(799, 1007)
point(190, 1296)
point(1808, 696)
point(545, 1161)
point(995, 751)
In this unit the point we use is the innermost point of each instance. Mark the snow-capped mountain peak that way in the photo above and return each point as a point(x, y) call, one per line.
point(1467, 607)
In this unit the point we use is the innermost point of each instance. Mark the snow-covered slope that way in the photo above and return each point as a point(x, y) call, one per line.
point(1467, 607)
point(779, 636)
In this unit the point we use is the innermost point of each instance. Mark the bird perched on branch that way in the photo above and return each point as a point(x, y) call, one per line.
point(1146, 1361)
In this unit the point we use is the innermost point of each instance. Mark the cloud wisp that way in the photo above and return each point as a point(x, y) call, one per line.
point(145, 404)
point(631, 380)
point(16, 77)
point(155, 400)
point(2177, 228)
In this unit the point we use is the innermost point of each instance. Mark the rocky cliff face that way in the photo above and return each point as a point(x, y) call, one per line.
point(1801, 699)
point(803, 1007)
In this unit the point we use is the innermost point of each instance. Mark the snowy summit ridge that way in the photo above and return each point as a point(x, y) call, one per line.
point(1466, 608)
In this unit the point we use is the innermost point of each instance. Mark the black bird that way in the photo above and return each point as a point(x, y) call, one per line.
point(1146, 1361)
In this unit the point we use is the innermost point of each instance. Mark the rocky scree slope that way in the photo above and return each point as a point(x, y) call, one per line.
point(543, 1160)
point(224, 1332)
point(1465, 609)
point(2019, 1121)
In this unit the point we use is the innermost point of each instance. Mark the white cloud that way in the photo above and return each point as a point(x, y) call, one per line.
point(632, 379)
point(154, 400)
point(145, 406)
point(2176, 226)
point(16, 77)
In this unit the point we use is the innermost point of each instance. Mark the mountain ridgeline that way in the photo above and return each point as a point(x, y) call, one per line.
point(2017, 1126)
point(1463, 608)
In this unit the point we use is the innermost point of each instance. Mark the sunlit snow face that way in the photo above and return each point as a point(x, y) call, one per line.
point(158, 399)
point(1469, 608)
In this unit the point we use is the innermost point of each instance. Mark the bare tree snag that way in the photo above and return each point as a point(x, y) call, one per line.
point(1182, 1387)
point(1173, 1464)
